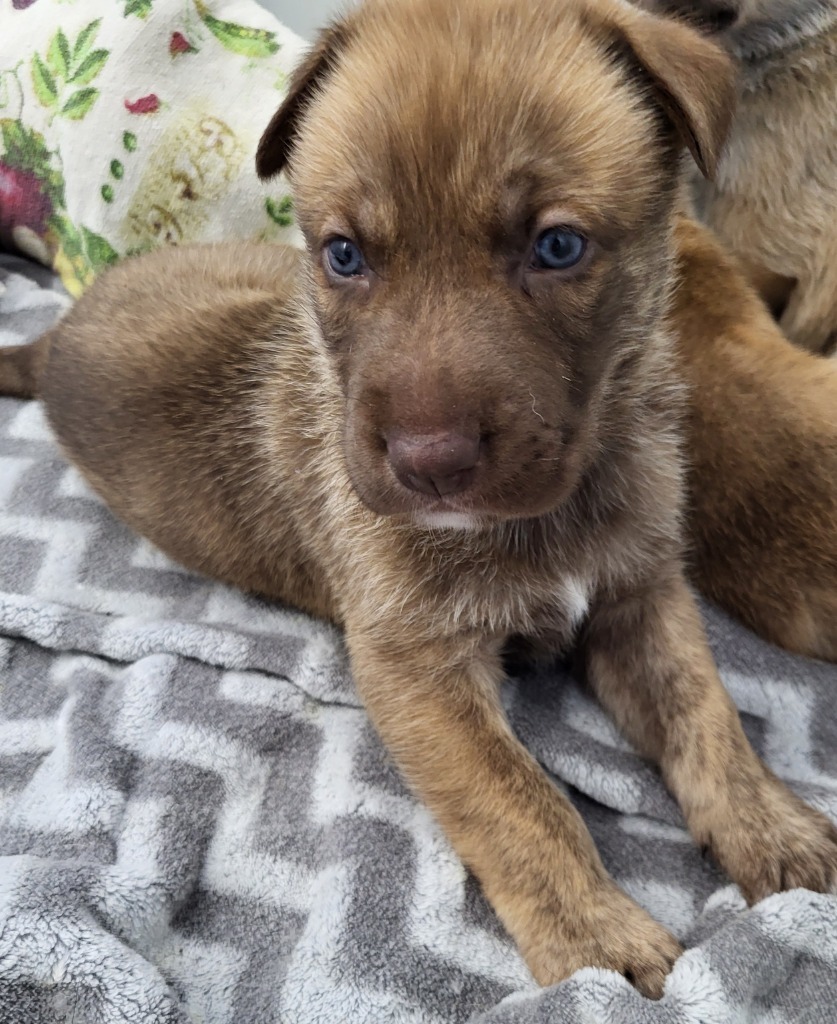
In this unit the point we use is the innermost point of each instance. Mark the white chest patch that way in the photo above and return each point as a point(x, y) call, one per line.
point(574, 595)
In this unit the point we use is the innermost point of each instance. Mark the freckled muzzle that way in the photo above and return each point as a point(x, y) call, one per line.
point(488, 442)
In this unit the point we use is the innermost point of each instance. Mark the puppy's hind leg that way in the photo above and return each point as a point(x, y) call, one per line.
point(436, 707)
point(21, 367)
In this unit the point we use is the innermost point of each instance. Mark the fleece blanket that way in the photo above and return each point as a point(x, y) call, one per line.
point(199, 826)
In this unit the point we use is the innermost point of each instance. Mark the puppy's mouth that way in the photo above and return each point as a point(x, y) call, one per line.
point(507, 480)
point(471, 506)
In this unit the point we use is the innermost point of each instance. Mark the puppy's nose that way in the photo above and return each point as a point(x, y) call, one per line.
point(436, 464)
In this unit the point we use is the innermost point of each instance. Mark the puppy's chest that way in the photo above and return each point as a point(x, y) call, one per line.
point(549, 606)
point(556, 621)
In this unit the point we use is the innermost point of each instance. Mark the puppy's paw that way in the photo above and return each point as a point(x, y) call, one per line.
point(778, 843)
point(610, 932)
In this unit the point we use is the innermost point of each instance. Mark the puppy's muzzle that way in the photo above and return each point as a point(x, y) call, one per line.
point(438, 464)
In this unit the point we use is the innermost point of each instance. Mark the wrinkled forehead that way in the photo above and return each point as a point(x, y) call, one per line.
point(469, 120)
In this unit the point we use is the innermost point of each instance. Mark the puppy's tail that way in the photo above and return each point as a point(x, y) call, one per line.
point(21, 367)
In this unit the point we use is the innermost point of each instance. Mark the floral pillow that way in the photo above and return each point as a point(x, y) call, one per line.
point(127, 124)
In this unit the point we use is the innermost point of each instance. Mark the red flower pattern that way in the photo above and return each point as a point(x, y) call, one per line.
point(144, 105)
point(180, 44)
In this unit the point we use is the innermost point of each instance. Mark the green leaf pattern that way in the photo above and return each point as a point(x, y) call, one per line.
point(280, 212)
point(81, 253)
point(140, 8)
point(44, 82)
point(63, 73)
point(26, 150)
point(58, 55)
point(85, 40)
point(60, 79)
point(247, 42)
point(89, 67)
point(79, 103)
point(99, 251)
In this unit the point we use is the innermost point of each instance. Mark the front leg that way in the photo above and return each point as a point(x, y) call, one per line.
point(436, 706)
point(650, 666)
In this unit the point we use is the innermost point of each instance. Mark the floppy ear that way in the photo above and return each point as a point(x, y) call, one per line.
point(277, 141)
point(694, 80)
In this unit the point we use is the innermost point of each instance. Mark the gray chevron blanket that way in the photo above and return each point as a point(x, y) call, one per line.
point(198, 825)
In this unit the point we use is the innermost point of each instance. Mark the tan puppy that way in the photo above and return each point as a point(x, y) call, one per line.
point(461, 425)
point(762, 435)
point(774, 197)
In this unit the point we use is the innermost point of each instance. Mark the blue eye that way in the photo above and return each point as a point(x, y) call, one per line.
point(559, 249)
point(344, 257)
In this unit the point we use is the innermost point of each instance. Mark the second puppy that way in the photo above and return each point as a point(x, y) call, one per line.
point(774, 197)
point(762, 456)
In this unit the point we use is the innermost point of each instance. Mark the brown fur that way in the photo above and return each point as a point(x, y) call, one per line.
point(235, 403)
point(20, 369)
point(773, 200)
point(763, 451)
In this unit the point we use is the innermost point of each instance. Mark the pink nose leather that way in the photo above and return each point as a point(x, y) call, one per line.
point(435, 464)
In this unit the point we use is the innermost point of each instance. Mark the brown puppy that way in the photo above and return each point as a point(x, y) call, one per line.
point(774, 197)
point(762, 444)
point(461, 427)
